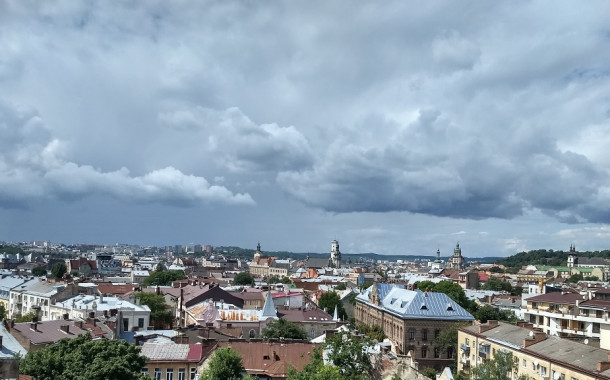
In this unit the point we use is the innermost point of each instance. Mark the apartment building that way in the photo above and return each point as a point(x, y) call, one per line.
point(536, 355)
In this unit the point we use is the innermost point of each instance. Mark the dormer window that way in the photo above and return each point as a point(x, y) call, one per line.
point(449, 307)
point(423, 307)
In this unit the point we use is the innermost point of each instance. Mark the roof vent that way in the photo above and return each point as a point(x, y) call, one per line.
point(449, 307)
point(423, 307)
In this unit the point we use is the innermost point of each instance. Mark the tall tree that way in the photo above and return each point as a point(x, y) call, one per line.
point(163, 277)
point(82, 358)
point(224, 364)
point(283, 329)
point(59, 269)
point(160, 315)
point(316, 369)
point(243, 278)
point(349, 354)
point(501, 367)
point(328, 301)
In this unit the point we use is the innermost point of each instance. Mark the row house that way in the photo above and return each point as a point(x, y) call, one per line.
point(37, 296)
point(567, 314)
point(129, 316)
point(535, 355)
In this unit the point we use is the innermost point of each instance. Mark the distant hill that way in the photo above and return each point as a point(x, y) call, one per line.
point(546, 257)
point(353, 257)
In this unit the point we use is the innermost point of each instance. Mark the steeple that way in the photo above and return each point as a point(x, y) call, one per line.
point(268, 308)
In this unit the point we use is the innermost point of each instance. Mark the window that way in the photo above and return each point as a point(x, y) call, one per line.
point(252, 334)
point(542, 371)
point(144, 370)
point(467, 342)
point(140, 323)
point(157, 373)
point(424, 352)
point(437, 353)
point(524, 363)
point(449, 352)
point(437, 333)
point(182, 374)
point(411, 334)
point(169, 374)
point(193, 373)
point(424, 334)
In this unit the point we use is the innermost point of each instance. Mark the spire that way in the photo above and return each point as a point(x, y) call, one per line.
point(336, 315)
point(268, 308)
point(258, 246)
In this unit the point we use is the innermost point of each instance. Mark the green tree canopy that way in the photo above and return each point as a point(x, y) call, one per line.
point(29, 317)
point(501, 367)
point(82, 358)
point(316, 369)
point(348, 354)
point(243, 278)
point(282, 328)
point(39, 271)
point(224, 364)
point(2, 312)
point(160, 315)
point(494, 283)
point(275, 279)
point(487, 312)
point(59, 269)
point(163, 278)
point(328, 301)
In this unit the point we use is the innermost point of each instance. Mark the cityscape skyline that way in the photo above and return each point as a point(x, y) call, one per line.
point(401, 130)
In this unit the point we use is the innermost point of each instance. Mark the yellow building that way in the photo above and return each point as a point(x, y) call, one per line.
point(536, 355)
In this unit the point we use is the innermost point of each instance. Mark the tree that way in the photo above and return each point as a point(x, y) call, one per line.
point(341, 286)
point(501, 367)
point(349, 354)
point(224, 364)
point(82, 358)
point(315, 369)
point(328, 301)
point(282, 328)
point(160, 316)
point(496, 284)
point(374, 332)
point(29, 317)
point(39, 271)
point(59, 269)
point(275, 279)
point(575, 278)
point(487, 312)
point(163, 278)
point(243, 278)
point(2, 312)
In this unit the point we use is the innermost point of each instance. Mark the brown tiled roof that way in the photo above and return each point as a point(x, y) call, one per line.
point(47, 332)
point(272, 358)
point(595, 304)
point(557, 297)
point(301, 315)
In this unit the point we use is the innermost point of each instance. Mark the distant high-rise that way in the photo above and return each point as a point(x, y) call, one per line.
point(335, 254)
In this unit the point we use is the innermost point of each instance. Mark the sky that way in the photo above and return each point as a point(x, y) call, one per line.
point(395, 127)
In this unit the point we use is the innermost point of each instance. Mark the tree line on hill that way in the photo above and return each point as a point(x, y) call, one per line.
point(546, 257)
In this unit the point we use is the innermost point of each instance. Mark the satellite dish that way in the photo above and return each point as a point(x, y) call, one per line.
point(586, 341)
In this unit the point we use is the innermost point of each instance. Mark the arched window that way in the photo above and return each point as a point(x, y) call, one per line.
point(252, 333)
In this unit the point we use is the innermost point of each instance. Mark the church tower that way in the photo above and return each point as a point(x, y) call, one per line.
point(456, 261)
point(572, 257)
point(335, 254)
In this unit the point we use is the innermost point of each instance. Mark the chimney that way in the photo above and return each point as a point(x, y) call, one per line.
point(488, 326)
point(34, 326)
point(538, 336)
point(603, 366)
point(65, 316)
point(65, 328)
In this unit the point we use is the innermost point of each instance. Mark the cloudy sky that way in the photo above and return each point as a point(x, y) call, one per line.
point(394, 127)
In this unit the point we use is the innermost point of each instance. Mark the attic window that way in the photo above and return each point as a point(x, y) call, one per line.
point(449, 307)
point(423, 307)
point(403, 303)
point(393, 300)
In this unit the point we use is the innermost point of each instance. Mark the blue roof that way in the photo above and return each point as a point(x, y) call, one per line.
point(415, 304)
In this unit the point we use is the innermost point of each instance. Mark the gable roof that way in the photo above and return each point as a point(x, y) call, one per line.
point(415, 304)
